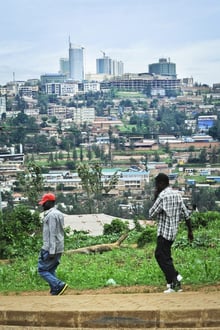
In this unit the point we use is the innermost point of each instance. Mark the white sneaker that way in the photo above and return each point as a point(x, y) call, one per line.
point(177, 288)
point(179, 277)
point(169, 290)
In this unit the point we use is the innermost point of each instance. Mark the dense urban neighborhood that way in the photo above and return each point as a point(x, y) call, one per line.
point(121, 136)
point(110, 164)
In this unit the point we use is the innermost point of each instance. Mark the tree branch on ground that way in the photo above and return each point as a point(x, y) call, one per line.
point(100, 248)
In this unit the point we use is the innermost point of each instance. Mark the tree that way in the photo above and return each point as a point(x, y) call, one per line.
point(21, 104)
point(214, 156)
point(167, 147)
point(31, 182)
point(39, 142)
point(81, 153)
point(203, 156)
point(215, 130)
point(156, 156)
point(91, 179)
point(44, 121)
point(126, 103)
point(205, 199)
point(71, 165)
point(89, 154)
point(19, 229)
point(42, 103)
point(75, 156)
point(110, 133)
point(50, 158)
point(60, 156)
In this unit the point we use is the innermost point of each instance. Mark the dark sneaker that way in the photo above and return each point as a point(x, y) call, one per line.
point(62, 289)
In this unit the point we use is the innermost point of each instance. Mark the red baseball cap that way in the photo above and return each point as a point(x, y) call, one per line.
point(47, 197)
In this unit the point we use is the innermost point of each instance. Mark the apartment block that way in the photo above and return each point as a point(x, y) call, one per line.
point(82, 115)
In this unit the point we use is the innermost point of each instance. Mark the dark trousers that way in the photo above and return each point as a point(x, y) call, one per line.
point(164, 259)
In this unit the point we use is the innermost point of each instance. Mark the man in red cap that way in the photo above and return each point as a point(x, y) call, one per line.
point(53, 244)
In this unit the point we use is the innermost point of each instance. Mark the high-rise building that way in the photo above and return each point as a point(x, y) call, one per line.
point(117, 68)
point(108, 66)
point(103, 65)
point(76, 63)
point(64, 66)
point(164, 68)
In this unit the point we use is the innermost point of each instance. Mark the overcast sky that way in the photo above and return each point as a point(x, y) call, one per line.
point(34, 35)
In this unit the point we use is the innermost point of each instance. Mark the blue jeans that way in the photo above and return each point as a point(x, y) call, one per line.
point(47, 270)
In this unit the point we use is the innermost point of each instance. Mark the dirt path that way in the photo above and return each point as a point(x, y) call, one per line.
point(119, 289)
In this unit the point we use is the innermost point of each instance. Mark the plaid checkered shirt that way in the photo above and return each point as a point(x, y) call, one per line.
point(168, 208)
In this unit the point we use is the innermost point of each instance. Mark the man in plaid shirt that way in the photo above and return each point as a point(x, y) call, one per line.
point(168, 208)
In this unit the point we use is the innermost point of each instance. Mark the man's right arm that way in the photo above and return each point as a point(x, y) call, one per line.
point(156, 208)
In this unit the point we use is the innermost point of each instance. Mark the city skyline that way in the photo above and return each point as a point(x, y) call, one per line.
point(34, 35)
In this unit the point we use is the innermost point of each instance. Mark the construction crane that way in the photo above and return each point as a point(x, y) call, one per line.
point(102, 53)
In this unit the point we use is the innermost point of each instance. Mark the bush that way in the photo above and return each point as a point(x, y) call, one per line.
point(204, 219)
point(117, 226)
point(147, 236)
point(19, 232)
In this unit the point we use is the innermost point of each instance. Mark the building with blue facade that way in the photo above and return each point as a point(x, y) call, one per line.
point(206, 122)
point(106, 65)
point(76, 63)
point(164, 68)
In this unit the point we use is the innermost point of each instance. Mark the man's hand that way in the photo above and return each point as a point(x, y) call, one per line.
point(190, 232)
point(190, 236)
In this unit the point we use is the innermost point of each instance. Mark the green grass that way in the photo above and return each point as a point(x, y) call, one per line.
point(129, 95)
point(198, 263)
point(127, 266)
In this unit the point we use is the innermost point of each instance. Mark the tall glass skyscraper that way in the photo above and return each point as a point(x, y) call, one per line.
point(76, 63)
point(103, 65)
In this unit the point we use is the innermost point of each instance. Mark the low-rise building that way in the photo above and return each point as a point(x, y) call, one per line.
point(134, 181)
point(60, 112)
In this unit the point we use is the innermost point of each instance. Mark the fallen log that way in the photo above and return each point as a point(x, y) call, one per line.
point(100, 248)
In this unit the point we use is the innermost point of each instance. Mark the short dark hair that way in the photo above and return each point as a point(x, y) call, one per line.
point(162, 178)
point(48, 205)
